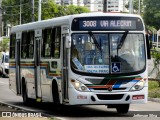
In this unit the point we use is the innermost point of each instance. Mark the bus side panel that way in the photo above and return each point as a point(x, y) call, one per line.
point(12, 77)
point(46, 81)
point(28, 74)
point(46, 85)
point(48, 74)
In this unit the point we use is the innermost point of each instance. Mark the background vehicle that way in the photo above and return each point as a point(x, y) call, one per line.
point(97, 59)
point(4, 64)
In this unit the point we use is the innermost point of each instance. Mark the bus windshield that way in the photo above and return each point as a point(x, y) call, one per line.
point(108, 53)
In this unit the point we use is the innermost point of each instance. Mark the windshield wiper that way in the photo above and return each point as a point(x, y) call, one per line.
point(95, 41)
point(122, 40)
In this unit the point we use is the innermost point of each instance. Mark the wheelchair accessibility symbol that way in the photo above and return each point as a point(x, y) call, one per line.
point(116, 67)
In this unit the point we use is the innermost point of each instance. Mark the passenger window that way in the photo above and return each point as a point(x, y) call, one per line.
point(56, 42)
point(31, 44)
point(51, 43)
point(46, 45)
point(12, 46)
point(27, 45)
point(24, 45)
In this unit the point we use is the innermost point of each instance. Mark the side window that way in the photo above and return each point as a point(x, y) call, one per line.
point(30, 46)
point(24, 45)
point(46, 45)
point(27, 45)
point(56, 42)
point(2, 58)
point(12, 46)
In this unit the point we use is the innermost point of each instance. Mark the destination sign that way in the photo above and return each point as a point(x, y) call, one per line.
point(107, 23)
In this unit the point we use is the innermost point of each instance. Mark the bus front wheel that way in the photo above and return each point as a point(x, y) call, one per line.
point(122, 108)
point(55, 93)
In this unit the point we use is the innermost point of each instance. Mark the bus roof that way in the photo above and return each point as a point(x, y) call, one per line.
point(63, 20)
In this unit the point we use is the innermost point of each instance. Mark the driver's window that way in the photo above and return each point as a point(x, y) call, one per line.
point(2, 58)
point(115, 40)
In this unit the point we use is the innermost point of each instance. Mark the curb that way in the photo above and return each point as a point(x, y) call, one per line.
point(154, 99)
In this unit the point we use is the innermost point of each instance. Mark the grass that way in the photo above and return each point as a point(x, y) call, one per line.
point(52, 118)
point(153, 89)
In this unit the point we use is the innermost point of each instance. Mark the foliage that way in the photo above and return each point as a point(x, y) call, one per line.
point(156, 68)
point(11, 10)
point(154, 89)
point(152, 13)
point(151, 28)
point(4, 44)
point(53, 118)
point(48, 10)
point(135, 5)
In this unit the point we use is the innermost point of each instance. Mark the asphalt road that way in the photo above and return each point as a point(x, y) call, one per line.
point(148, 111)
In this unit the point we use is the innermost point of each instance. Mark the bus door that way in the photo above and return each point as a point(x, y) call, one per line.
point(38, 37)
point(65, 58)
point(17, 61)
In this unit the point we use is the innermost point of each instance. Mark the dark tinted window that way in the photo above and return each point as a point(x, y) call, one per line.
point(27, 45)
point(24, 45)
point(51, 42)
point(12, 45)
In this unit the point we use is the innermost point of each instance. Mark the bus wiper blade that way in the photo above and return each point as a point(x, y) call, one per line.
point(95, 41)
point(122, 40)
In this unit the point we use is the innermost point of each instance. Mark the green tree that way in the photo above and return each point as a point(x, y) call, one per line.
point(152, 13)
point(4, 44)
point(136, 5)
point(11, 10)
point(71, 9)
point(49, 10)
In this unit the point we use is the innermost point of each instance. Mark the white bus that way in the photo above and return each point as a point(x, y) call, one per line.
point(85, 59)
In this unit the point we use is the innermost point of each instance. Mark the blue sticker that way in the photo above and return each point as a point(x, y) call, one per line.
point(77, 63)
point(116, 67)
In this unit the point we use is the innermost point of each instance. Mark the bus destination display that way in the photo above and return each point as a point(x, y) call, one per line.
point(106, 24)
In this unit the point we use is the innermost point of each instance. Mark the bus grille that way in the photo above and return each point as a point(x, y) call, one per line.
point(110, 97)
point(107, 88)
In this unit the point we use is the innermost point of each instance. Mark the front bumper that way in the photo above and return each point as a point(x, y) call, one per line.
point(98, 98)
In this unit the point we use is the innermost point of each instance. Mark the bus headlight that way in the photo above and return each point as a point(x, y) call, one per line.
point(79, 86)
point(6, 66)
point(138, 86)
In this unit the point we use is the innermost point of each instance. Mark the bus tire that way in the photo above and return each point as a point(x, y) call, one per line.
point(26, 100)
point(55, 93)
point(3, 76)
point(122, 108)
point(1, 73)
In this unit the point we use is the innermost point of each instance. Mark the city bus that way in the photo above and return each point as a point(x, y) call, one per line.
point(81, 59)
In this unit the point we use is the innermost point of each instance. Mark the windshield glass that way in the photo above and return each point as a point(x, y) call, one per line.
point(6, 59)
point(108, 53)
